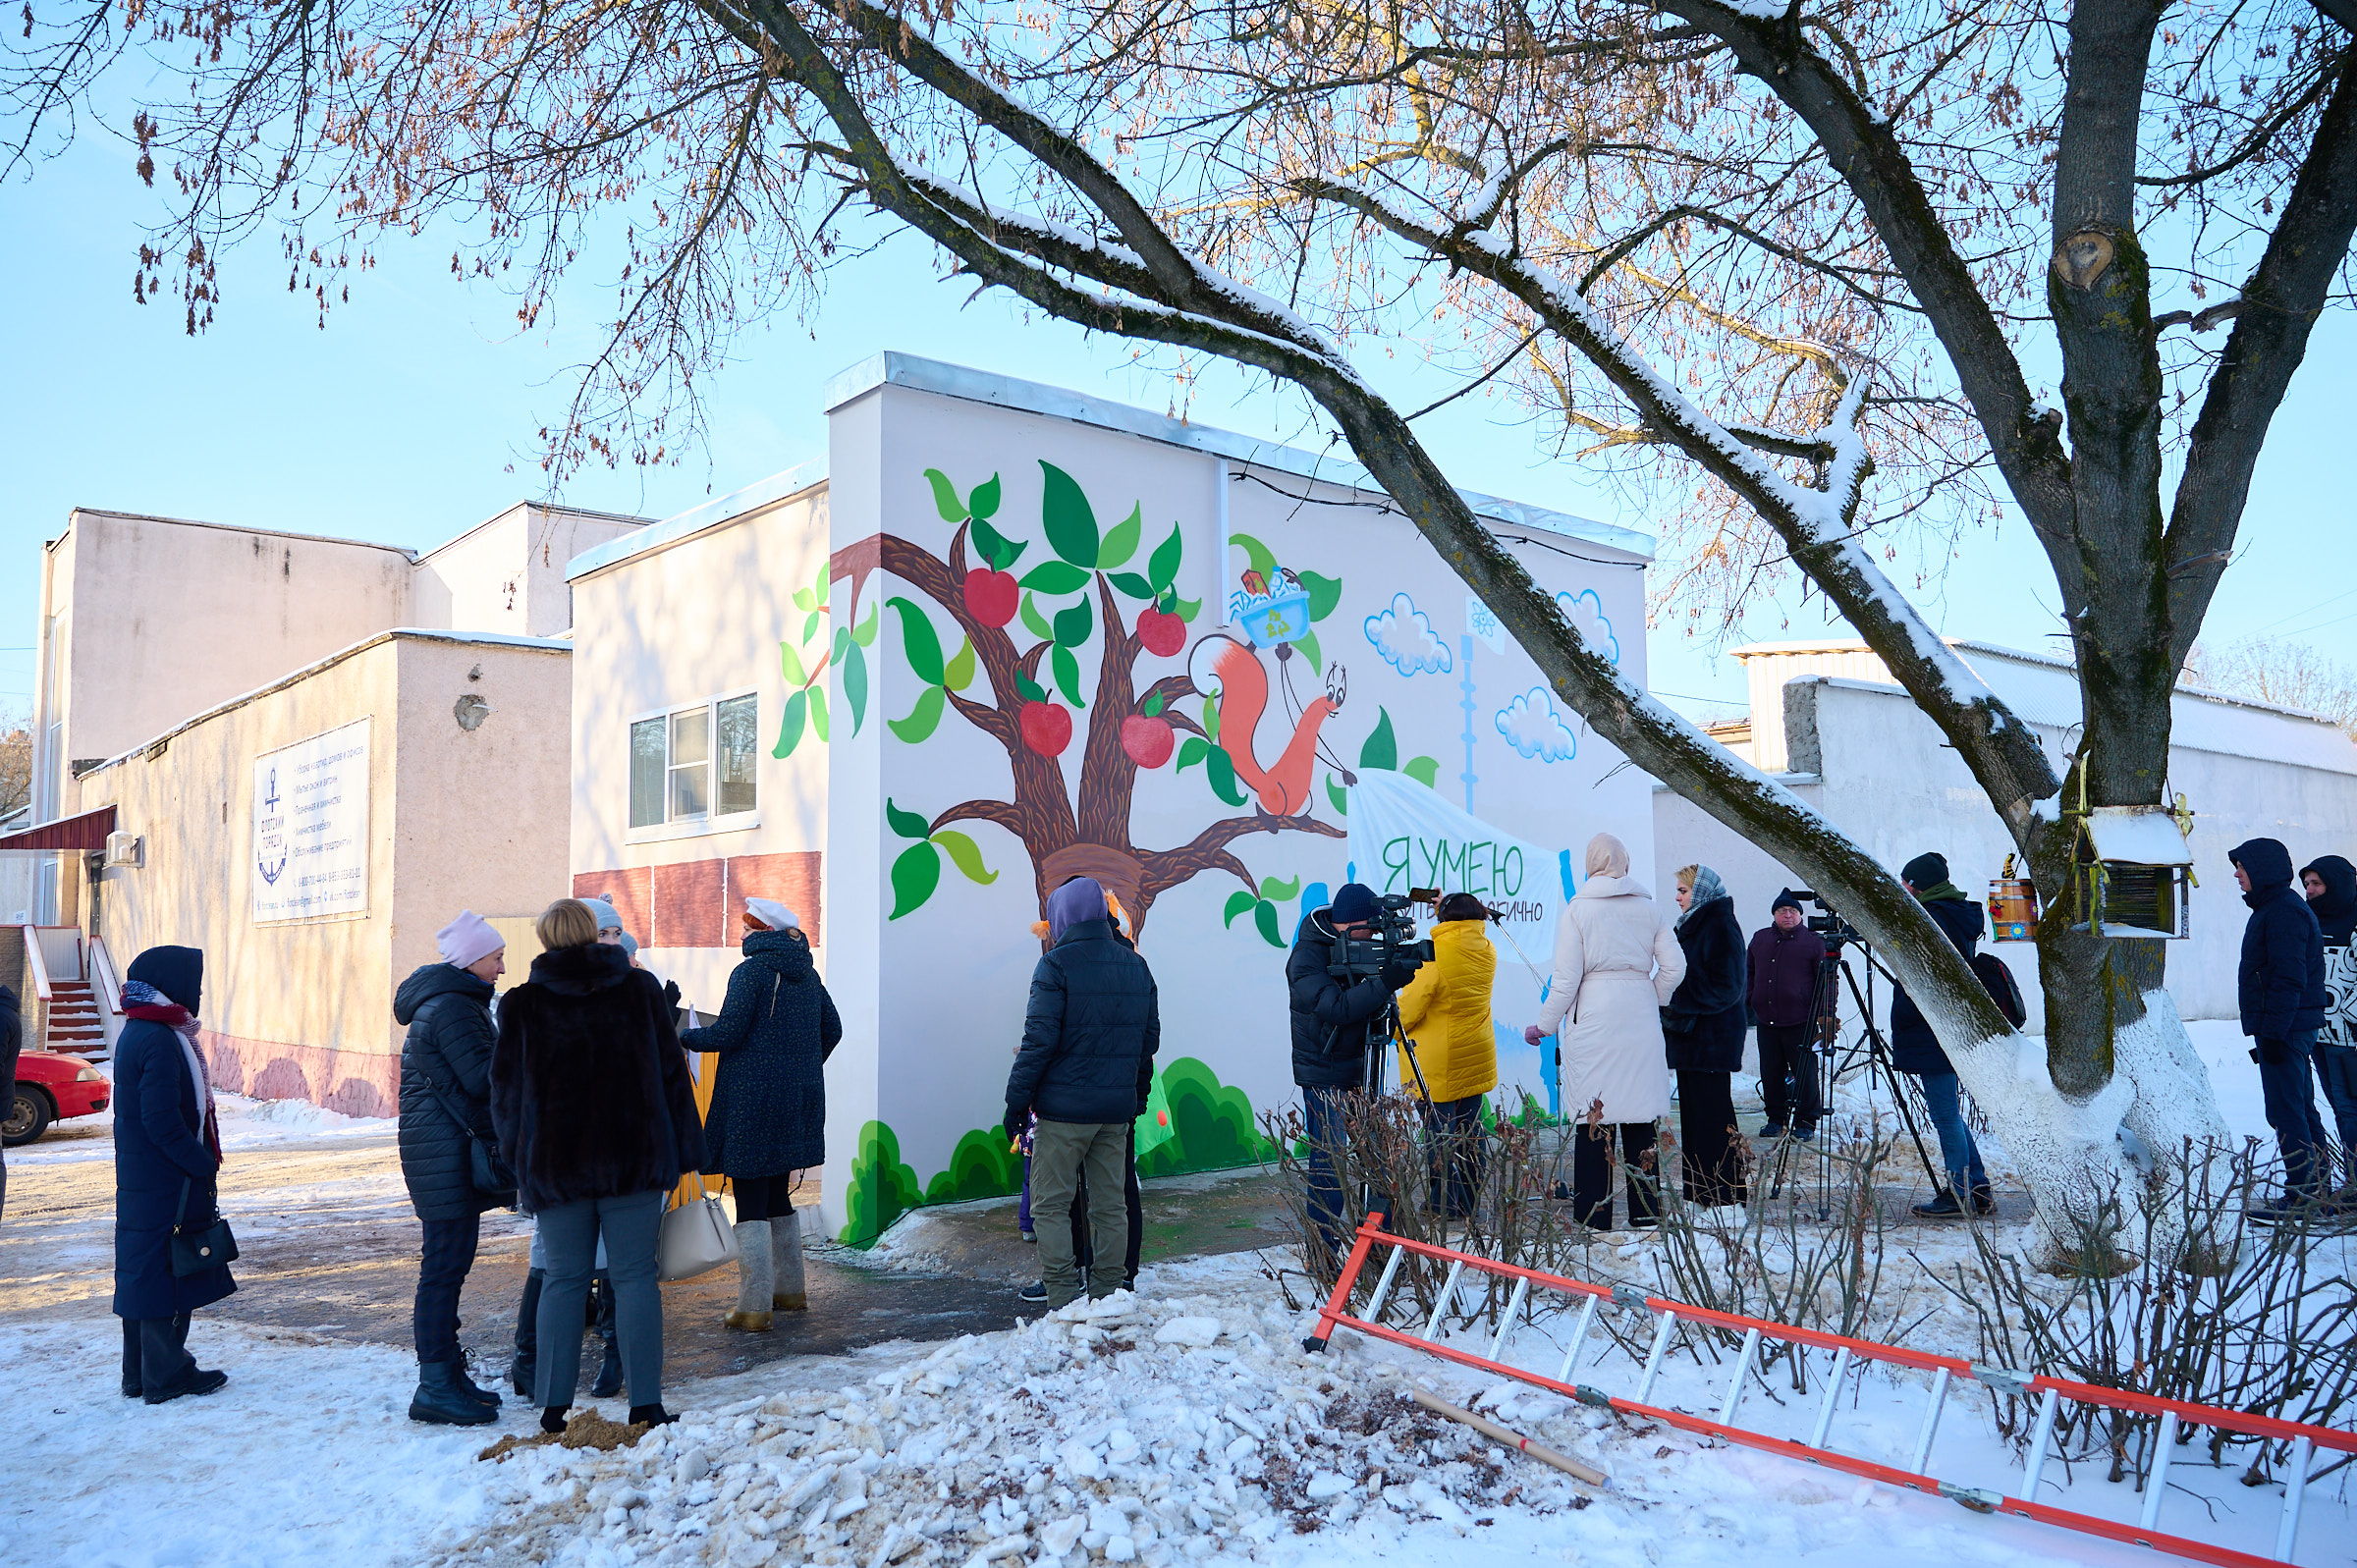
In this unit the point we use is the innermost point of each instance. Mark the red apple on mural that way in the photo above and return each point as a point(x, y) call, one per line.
point(1147, 739)
point(1047, 727)
point(992, 596)
point(1160, 632)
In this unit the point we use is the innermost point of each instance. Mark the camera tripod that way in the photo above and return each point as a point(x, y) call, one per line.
point(1832, 1063)
point(1388, 1033)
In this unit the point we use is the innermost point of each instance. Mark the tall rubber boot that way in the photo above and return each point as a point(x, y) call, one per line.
point(787, 1291)
point(753, 1287)
point(609, 1370)
point(528, 1335)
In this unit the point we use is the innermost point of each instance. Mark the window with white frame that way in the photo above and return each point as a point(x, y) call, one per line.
point(696, 762)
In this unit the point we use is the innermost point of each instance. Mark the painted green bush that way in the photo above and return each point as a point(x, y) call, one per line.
point(882, 1187)
point(1212, 1125)
point(982, 1165)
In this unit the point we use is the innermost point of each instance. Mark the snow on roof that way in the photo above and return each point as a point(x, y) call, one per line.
point(2144, 835)
point(696, 518)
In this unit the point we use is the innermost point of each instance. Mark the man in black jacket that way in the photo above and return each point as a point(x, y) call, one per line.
point(1333, 1019)
point(1916, 1049)
point(1087, 1065)
point(2280, 986)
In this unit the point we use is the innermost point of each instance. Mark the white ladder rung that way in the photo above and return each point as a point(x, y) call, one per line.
point(1514, 1311)
point(1931, 1422)
point(2295, 1491)
point(1579, 1338)
point(1440, 1307)
point(1382, 1286)
point(2041, 1440)
point(1653, 1360)
point(1832, 1393)
point(1734, 1386)
point(2163, 1445)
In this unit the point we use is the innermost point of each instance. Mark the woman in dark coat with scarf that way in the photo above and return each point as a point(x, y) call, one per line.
point(1702, 1029)
point(595, 1112)
point(166, 1161)
point(769, 1103)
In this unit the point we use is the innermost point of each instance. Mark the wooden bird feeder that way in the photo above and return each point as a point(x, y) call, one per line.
point(2132, 872)
point(2012, 906)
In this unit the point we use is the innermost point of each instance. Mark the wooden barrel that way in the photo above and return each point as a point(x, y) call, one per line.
point(2013, 909)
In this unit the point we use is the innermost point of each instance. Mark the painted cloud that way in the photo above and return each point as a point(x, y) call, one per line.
point(1585, 612)
point(1532, 727)
point(1404, 635)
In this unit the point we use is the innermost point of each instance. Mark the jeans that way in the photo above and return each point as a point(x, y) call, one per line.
point(1454, 1143)
point(1322, 1112)
point(1957, 1150)
point(1592, 1173)
point(1083, 1244)
point(441, 1274)
point(1788, 1075)
point(571, 1233)
point(2336, 1070)
point(2290, 1089)
point(1060, 1153)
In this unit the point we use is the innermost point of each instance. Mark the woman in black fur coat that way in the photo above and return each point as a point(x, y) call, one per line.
point(1702, 1028)
point(594, 1107)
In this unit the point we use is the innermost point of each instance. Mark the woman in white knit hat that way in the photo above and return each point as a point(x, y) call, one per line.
point(769, 1102)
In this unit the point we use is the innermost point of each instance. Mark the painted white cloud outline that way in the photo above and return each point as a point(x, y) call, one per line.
point(1585, 611)
point(1533, 728)
point(1403, 634)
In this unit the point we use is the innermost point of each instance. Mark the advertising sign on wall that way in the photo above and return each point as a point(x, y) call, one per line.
point(310, 827)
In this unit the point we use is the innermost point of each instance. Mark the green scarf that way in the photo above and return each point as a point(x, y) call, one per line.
point(1940, 890)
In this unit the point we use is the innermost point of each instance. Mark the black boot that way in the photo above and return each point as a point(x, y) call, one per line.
point(131, 1388)
point(652, 1414)
point(468, 1387)
point(609, 1370)
point(552, 1420)
point(527, 1336)
point(440, 1402)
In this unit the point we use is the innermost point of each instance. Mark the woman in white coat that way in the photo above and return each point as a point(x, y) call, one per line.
point(1616, 961)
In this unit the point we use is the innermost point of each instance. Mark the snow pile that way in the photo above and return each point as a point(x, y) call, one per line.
point(1157, 1431)
point(244, 1123)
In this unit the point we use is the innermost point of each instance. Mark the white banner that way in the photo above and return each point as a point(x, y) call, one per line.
point(1404, 835)
point(310, 827)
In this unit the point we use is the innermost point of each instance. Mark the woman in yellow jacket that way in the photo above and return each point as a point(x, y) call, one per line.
point(1446, 1011)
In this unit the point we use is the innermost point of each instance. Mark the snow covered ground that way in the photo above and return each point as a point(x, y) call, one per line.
point(1183, 1426)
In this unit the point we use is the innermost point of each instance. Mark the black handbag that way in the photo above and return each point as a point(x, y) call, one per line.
point(487, 1169)
point(195, 1251)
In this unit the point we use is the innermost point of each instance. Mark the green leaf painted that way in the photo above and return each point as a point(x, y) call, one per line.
point(1340, 796)
point(865, 635)
point(1073, 624)
point(819, 584)
point(818, 712)
point(1064, 511)
point(907, 824)
point(1382, 750)
point(1306, 645)
point(1153, 704)
point(945, 497)
point(1282, 891)
point(1259, 556)
point(789, 724)
point(919, 640)
point(843, 644)
point(1223, 777)
point(1054, 577)
point(1037, 621)
point(1031, 689)
point(1068, 674)
point(922, 718)
point(966, 854)
point(810, 621)
point(985, 500)
point(1187, 609)
point(1237, 903)
point(804, 599)
point(1423, 770)
point(854, 685)
point(1324, 594)
point(914, 876)
point(1162, 567)
point(1263, 915)
point(1211, 718)
point(995, 548)
point(1121, 544)
point(959, 672)
point(791, 663)
point(1191, 750)
point(1130, 583)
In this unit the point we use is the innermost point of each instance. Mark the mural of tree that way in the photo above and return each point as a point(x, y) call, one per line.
point(1080, 596)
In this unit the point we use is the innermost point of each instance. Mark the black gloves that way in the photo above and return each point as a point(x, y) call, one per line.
point(1395, 976)
point(1017, 1119)
point(2273, 1053)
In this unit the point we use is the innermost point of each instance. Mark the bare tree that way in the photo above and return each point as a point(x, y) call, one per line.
point(16, 761)
point(2287, 673)
point(1783, 264)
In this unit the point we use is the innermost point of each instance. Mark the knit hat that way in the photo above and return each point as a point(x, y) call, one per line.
point(1927, 870)
point(609, 918)
point(1785, 899)
point(773, 914)
point(1353, 901)
point(468, 941)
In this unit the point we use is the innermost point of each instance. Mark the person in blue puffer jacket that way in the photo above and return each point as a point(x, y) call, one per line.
point(2281, 987)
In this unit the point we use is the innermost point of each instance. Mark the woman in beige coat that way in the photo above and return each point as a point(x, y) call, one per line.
point(1616, 961)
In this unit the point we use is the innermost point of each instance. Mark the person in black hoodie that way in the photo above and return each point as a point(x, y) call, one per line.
point(1090, 1032)
point(1702, 1031)
point(2281, 987)
point(595, 1110)
point(1333, 1019)
point(2331, 886)
point(1914, 1048)
point(444, 1109)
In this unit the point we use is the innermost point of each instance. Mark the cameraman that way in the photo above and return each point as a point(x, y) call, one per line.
point(1333, 1019)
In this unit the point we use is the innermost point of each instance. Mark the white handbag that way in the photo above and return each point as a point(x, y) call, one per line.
point(696, 1238)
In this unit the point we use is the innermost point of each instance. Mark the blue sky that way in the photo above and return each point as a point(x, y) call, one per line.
point(413, 415)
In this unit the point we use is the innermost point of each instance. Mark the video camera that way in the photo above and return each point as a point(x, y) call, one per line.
point(1392, 942)
point(1828, 923)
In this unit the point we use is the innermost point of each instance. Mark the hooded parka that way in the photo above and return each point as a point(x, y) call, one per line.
point(448, 1011)
point(1446, 1011)
point(1616, 961)
point(774, 1034)
point(160, 1145)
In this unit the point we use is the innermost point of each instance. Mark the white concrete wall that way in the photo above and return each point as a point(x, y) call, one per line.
point(507, 573)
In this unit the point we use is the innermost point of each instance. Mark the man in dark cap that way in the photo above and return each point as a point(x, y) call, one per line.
point(1914, 1048)
point(1333, 1019)
point(2280, 987)
point(1785, 959)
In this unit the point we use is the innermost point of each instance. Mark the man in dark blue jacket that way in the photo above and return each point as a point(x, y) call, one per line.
point(1086, 1067)
point(2280, 986)
point(1915, 1048)
point(1333, 1019)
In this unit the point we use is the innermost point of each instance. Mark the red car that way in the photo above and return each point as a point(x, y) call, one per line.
point(52, 1088)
